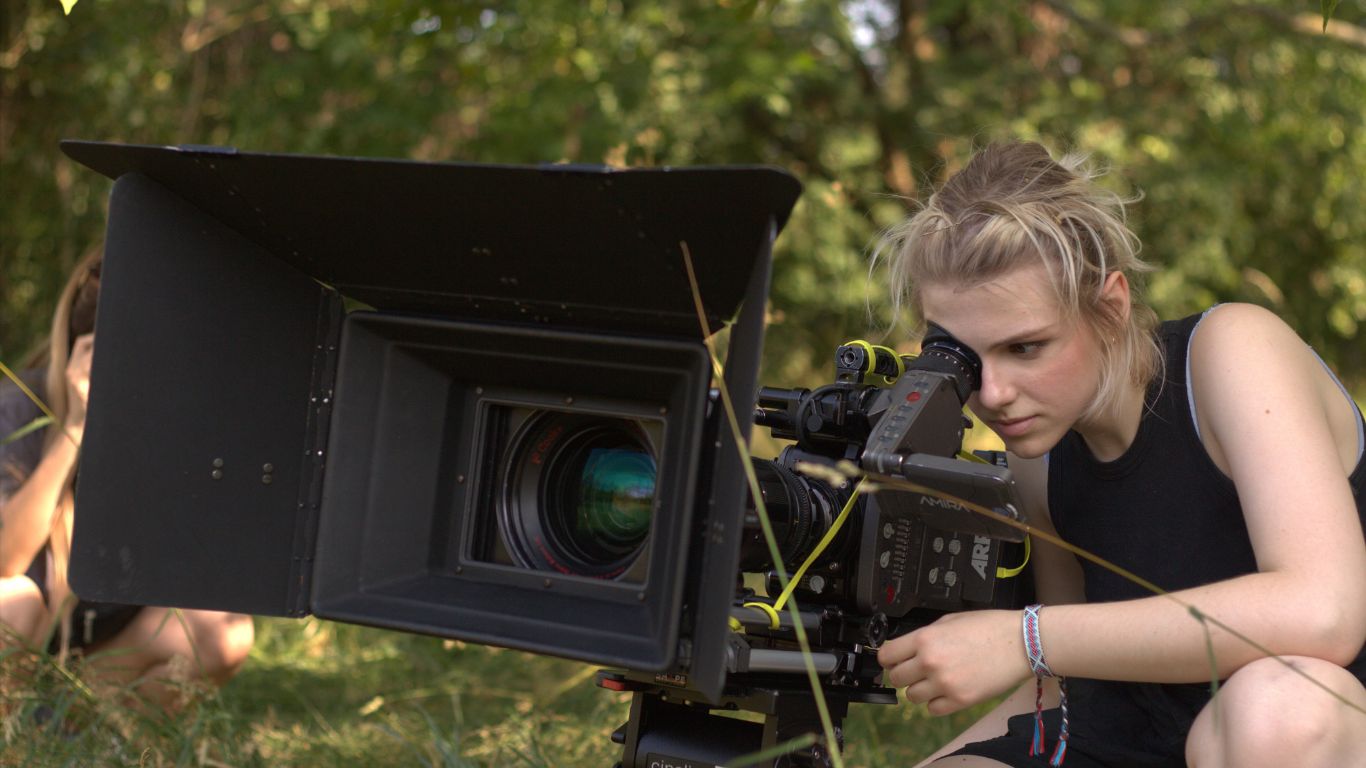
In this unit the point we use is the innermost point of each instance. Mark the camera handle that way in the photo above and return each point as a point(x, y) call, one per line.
point(675, 728)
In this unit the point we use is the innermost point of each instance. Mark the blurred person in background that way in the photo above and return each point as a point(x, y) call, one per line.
point(154, 652)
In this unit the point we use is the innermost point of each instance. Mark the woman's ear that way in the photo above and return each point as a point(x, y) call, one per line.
point(1114, 298)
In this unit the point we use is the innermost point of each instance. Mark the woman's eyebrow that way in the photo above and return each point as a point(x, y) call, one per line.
point(1029, 334)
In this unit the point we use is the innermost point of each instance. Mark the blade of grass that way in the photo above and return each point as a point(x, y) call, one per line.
point(42, 406)
point(20, 433)
point(777, 750)
point(817, 691)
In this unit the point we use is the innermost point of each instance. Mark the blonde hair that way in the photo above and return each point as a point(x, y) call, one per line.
point(1013, 205)
point(75, 312)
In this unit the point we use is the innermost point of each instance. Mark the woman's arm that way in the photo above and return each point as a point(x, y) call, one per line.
point(26, 517)
point(1278, 425)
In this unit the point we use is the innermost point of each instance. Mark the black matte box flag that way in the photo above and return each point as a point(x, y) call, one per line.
point(252, 447)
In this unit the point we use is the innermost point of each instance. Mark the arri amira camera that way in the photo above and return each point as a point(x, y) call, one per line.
point(476, 401)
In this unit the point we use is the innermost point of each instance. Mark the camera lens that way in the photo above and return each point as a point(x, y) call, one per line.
point(800, 510)
point(605, 490)
point(578, 494)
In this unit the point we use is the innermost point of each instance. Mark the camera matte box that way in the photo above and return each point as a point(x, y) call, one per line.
point(252, 446)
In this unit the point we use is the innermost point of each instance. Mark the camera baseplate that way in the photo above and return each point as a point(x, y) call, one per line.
point(675, 727)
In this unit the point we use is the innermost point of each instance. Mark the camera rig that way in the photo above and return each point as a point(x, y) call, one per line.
point(473, 401)
point(865, 567)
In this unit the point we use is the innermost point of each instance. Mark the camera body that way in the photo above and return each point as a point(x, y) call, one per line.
point(477, 402)
point(900, 549)
point(864, 566)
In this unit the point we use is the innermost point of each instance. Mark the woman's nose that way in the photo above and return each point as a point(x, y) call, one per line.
point(996, 391)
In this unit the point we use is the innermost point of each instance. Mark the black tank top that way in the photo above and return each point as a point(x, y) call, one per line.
point(1163, 510)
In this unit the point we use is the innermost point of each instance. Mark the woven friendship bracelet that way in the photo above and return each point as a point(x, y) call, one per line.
point(1032, 642)
point(1029, 624)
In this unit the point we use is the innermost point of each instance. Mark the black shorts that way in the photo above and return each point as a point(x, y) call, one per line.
point(92, 623)
point(1112, 725)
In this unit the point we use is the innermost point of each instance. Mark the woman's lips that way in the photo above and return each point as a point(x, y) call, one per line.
point(1012, 427)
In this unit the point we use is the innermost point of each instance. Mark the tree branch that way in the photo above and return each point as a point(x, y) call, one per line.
point(1308, 24)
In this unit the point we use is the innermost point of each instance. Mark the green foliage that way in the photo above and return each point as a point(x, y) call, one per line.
point(1242, 129)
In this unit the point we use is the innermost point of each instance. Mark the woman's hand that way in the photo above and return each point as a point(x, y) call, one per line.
point(78, 384)
point(960, 660)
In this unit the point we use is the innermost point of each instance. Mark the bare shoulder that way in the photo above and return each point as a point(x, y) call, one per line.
point(1233, 328)
point(1242, 347)
point(1254, 380)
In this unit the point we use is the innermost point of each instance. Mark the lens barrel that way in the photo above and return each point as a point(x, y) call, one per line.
point(940, 352)
point(800, 509)
point(577, 494)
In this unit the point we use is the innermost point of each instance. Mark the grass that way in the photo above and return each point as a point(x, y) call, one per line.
point(325, 694)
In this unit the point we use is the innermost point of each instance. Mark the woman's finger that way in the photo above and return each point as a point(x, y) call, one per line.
point(942, 705)
point(897, 651)
point(922, 691)
point(906, 673)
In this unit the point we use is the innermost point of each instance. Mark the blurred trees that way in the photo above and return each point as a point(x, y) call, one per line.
point(1240, 123)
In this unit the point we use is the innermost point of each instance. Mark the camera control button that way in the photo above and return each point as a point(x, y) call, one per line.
point(955, 546)
point(888, 530)
point(950, 578)
point(938, 544)
point(884, 558)
point(933, 575)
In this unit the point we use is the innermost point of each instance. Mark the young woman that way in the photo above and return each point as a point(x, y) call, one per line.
point(1215, 456)
point(37, 480)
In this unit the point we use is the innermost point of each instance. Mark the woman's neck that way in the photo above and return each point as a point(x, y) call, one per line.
point(1110, 434)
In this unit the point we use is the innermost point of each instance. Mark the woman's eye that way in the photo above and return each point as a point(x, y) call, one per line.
point(1026, 348)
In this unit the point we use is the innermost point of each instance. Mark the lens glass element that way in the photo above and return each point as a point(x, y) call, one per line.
point(616, 493)
point(578, 494)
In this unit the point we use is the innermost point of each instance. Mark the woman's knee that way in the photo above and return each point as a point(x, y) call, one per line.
point(22, 610)
point(1276, 712)
point(209, 645)
point(221, 642)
